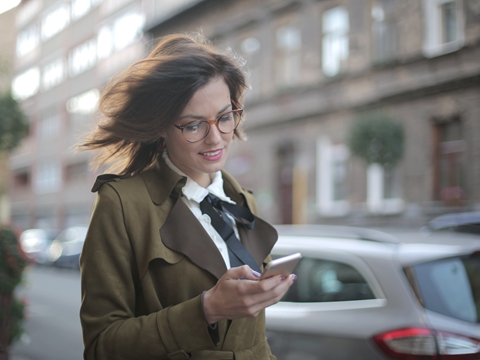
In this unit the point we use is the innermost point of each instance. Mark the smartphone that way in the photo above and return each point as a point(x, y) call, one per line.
point(281, 266)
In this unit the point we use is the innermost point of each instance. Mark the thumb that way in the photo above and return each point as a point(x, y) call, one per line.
point(242, 272)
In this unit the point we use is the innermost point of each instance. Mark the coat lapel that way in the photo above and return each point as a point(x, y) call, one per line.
point(182, 232)
point(259, 241)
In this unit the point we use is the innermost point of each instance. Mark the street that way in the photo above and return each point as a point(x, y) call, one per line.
point(53, 329)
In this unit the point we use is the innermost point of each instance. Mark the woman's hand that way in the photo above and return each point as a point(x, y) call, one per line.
point(232, 298)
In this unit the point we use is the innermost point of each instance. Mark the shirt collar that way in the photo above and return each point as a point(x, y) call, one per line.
point(195, 192)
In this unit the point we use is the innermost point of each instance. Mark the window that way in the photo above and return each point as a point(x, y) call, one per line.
point(124, 31)
point(444, 27)
point(85, 103)
point(82, 58)
point(332, 178)
point(383, 190)
point(383, 31)
point(335, 28)
point(104, 42)
point(322, 280)
point(127, 29)
point(26, 84)
point(438, 280)
point(21, 178)
point(250, 49)
point(48, 177)
point(55, 21)
point(289, 56)
point(82, 7)
point(449, 162)
point(53, 74)
point(27, 40)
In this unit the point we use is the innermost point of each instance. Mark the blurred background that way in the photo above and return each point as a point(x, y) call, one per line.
point(360, 112)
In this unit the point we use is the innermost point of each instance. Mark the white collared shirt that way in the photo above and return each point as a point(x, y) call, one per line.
point(193, 194)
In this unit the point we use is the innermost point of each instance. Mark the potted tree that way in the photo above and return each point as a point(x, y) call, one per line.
point(379, 141)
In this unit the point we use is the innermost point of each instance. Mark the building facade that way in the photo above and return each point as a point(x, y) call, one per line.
point(315, 67)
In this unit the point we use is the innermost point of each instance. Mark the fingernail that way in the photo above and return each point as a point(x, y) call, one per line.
point(282, 277)
point(294, 277)
point(255, 273)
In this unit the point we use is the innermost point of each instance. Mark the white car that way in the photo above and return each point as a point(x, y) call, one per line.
point(366, 295)
point(35, 244)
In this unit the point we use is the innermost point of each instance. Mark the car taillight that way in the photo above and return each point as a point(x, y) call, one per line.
point(427, 344)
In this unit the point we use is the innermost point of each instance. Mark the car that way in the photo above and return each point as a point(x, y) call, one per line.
point(465, 222)
point(366, 294)
point(65, 250)
point(35, 244)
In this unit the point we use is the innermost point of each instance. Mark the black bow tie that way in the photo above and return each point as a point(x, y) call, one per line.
point(217, 210)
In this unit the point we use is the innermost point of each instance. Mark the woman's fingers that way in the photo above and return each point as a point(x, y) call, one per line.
point(232, 298)
point(241, 272)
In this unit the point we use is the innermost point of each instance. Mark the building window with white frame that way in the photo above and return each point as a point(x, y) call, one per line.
point(27, 40)
point(332, 190)
point(335, 42)
point(80, 8)
point(128, 29)
point(124, 31)
point(384, 30)
point(26, 84)
point(384, 190)
point(289, 56)
point(54, 73)
point(82, 58)
point(250, 48)
point(48, 177)
point(444, 26)
point(55, 20)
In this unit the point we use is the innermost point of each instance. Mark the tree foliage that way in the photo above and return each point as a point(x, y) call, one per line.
point(376, 138)
point(13, 124)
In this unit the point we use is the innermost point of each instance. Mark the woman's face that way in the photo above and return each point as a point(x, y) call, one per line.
point(200, 159)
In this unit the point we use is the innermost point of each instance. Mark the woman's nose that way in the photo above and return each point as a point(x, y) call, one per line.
point(214, 136)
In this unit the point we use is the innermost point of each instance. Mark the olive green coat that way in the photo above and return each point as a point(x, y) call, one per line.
point(145, 263)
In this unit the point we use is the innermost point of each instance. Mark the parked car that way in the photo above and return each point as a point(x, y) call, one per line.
point(368, 295)
point(65, 250)
point(35, 244)
point(465, 222)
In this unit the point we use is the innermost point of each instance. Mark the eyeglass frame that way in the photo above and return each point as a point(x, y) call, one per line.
point(215, 121)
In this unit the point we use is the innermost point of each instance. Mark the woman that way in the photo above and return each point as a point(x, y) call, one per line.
point(158, 280)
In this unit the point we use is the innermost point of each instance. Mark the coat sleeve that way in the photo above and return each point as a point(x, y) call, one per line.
point(109, 281)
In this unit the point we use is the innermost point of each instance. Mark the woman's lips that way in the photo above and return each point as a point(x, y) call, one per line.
point(212, 155)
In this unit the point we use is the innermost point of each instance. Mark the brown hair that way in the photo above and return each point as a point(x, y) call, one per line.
point(140, 103)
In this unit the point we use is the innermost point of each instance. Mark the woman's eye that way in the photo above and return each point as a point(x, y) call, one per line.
point(226, 117)
point(193, 127)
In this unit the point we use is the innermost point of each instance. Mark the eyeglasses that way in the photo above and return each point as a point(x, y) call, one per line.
point(198, 130)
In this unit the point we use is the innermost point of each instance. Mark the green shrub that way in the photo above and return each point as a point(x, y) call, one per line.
point(12, 265)
point(377, 139)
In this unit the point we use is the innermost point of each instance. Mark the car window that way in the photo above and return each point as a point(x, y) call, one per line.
point(322, 280)
point(438, 280)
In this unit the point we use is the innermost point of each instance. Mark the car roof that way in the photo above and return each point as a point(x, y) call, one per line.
point(408, 246)
point(455, 219)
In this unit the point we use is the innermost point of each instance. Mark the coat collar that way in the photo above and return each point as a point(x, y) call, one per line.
point(181, 231)
point(161, 181)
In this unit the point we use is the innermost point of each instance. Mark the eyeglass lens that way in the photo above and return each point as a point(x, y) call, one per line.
point(198, 130)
